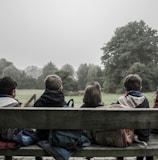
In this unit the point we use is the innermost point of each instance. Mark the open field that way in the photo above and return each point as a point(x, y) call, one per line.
point(108, 98)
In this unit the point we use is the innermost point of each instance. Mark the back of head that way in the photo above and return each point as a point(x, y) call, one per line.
point(133, 82)
point(53, 82)
point(7, 85)
point(92, 95)
point(96, 84)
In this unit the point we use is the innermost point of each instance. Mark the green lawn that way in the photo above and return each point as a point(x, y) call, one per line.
point(24, 95)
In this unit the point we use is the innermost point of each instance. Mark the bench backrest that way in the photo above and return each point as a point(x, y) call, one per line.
point(72, 118)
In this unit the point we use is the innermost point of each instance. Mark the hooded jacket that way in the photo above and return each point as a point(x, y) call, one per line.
point(50, 98)
point(8, 101)
point(135, 99)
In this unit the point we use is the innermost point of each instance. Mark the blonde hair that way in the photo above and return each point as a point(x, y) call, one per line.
point(53, 82)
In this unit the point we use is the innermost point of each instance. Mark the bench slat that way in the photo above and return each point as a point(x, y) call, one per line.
point(57, 118)
point(94, 151)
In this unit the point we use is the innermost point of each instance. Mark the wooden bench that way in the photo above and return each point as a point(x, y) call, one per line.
point(72, 118)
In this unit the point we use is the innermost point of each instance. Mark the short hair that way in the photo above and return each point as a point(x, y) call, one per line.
point(53, 82)
point(7, 85)
point(133, 82)
point(92, 94)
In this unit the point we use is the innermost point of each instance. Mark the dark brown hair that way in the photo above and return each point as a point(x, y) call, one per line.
point(92, 95)
point(7, 85)
point(133, 82)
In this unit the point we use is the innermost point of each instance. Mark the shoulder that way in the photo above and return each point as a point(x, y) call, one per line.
point(8, 102)
point(38, 103)
point(144, 104)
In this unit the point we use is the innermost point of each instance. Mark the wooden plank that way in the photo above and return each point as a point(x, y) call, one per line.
point(31, 100)
point(68, 118)
point(94, 151)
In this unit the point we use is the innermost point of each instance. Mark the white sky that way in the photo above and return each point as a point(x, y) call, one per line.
point(35, 32)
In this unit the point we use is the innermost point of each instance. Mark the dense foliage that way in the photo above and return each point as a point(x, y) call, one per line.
point(132, 49)
point(33, 77)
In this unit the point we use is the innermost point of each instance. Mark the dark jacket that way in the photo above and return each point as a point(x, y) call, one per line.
point(49, 98)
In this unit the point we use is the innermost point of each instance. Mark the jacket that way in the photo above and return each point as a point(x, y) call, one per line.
point(48, 99)
point(8, 101)
point(51, 98)
point(135, 99)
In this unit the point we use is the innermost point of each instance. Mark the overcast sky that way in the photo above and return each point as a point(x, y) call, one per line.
point(35, 32)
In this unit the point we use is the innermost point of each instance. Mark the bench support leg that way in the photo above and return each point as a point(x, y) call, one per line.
point(8, 158)
point(38, 158)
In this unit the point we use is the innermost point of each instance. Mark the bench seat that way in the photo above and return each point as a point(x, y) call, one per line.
point(82, 118)
point(94, 150)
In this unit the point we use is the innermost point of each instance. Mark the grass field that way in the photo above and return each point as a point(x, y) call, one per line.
point(24, 95)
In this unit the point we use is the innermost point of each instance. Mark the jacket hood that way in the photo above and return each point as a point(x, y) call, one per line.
point(8, 102)
point(50, 97)
point(132, 99)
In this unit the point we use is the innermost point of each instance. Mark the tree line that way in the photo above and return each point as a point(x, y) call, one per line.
point(33, 77)
point(132, 49)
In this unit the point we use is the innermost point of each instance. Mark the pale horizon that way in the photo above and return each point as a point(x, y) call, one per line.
point(35, 32)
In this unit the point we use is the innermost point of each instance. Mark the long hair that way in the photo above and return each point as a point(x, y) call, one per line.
point(92, 95)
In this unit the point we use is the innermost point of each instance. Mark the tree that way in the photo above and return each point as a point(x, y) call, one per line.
point(94, 74)
point(23, 81)
point(69, 82)
point(33, 71)
point(87, 73)
point(82, 75)
point(48, 69)
point(3, 64)
point(68, 68)
point(134, 42)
